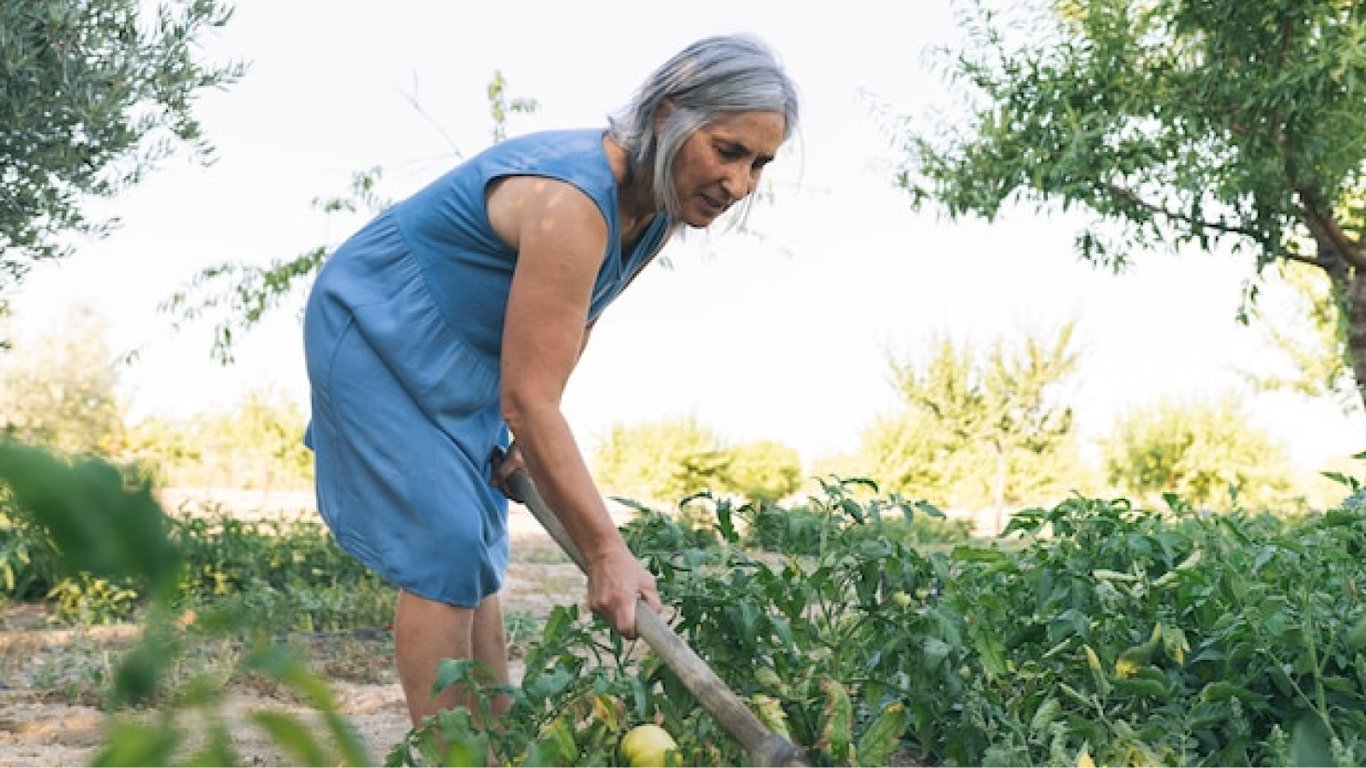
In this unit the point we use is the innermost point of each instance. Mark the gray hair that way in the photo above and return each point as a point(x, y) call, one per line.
point(712, 77)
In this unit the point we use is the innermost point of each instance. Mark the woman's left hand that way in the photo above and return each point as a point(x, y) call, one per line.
point(505, 464)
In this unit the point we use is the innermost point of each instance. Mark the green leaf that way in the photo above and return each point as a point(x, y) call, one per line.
point(138, 672)
point(546, 752)
point(990, 649)
point(465, 744)
point(936, 651)
point(99, 524)
point(969, 554)
point(545, 687)
point(836, 718)
point(883, 736)
point(290, 734)
point(354, 750)
point(452, 671)
point(1356, 638)
point(1044, 716)
point(1142, 686)
point(134, 744)
point(1222, 690)
point(1309, 743)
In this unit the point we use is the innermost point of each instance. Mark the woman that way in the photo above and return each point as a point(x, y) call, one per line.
point(457, 316)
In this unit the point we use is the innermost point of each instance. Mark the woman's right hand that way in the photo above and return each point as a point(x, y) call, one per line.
point(616, 581)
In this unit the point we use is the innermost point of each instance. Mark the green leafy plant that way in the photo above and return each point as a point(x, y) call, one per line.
point(101, 528)
point(1095, 627)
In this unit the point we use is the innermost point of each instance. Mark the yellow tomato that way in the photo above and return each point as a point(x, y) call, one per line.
point(647, 745)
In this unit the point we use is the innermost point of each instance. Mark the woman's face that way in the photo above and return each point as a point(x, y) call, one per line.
point(720, 164)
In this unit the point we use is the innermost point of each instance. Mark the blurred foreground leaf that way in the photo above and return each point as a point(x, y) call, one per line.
point(100, 523)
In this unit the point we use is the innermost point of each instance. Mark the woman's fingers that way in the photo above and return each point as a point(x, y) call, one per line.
point(505, 464)
point(651, 598)
point(615, 586)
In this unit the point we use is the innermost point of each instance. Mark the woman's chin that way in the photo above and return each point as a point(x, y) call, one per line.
point(700, 219)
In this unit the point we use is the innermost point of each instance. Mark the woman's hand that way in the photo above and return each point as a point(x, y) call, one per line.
point(615, 582)
point(505, 465)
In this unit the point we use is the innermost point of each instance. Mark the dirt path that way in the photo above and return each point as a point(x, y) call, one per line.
point(50, 716)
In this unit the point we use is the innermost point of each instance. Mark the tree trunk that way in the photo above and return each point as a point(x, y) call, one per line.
point(999, 486)
point(1356, 328)
point(1345, 263)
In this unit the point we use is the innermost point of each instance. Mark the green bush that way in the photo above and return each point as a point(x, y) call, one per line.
point(668, 460)
point(1204, 452)
point(284, 574)
point(1095, 627)
point(806, 529)
point(105, 532)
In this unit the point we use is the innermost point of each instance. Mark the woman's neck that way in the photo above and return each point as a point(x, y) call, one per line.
point(635, 195)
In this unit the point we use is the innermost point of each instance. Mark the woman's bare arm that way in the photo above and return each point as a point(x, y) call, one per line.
point(560, 237)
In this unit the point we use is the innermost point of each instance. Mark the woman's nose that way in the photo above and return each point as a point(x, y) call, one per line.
point(738, 183)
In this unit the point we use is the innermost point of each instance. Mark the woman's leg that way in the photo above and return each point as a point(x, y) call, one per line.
point(491, 647)
point(427, 631)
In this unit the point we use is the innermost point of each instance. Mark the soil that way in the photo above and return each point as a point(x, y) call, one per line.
point(50, 707)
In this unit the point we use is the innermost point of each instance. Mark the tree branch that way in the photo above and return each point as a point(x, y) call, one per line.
point(1312, 261)
point(1132, 198)
point(1326, 229)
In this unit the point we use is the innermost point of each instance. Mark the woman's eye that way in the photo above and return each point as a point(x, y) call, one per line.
point(730, 153)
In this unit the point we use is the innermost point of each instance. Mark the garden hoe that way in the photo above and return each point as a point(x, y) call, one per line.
point(763, 746)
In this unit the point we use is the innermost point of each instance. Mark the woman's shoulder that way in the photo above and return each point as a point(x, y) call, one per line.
point(575, 156)
point(565, 146)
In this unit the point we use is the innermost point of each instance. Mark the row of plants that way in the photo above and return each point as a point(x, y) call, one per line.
point(284, 573)
point(1094, 630)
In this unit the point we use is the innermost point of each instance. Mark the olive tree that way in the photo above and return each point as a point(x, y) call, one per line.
point(980, 425)
point(1231, 123)
point(59, 388)
point(1204, 452)
point(661, 461)
point(668, 460)
point(93, 95)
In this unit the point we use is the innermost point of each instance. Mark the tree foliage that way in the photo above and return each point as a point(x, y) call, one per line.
point(257, 444)
point(95, 93)
point(238, 295)
point(659, 461)
point(59, 388)
point(1204, 452)
point(665, 461)
point(979, 428)
point(765, 470)
point(1172, 122)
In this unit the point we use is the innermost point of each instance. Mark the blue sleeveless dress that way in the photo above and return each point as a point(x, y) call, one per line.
point(402, 340)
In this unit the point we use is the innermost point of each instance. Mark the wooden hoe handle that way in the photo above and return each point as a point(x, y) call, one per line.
point(763, 745)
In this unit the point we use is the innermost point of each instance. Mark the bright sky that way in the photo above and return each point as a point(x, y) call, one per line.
point(784, 336)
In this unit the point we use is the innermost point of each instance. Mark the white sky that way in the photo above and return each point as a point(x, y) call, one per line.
point(785, 337)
